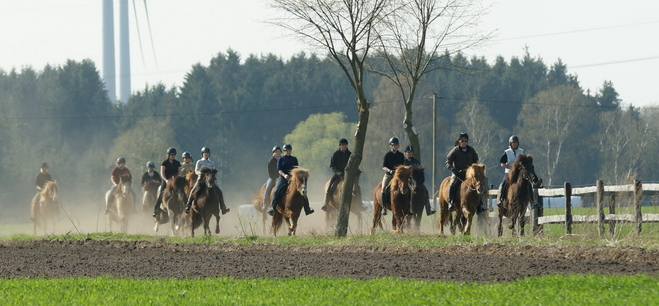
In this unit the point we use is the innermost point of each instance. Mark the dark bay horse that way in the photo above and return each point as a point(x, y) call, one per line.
point(173, 204)
point(467, 199)
point(45, 207)
point(401, 188)
point(290, 206)
point(356, 205)
point(206, 203)
point(123, 207)
point(150, 189)
point(520, 192)
point(420, 198)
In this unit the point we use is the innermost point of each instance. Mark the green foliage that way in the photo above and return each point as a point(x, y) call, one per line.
point(147, 140)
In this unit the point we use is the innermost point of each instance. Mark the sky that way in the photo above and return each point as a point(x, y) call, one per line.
point(599, 41)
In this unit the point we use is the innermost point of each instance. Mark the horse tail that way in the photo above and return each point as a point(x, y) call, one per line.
point(277, 221)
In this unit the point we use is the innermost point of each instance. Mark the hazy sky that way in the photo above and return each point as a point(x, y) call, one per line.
point(598, 40)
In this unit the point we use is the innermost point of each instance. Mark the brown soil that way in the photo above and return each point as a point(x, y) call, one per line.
point(491, 262)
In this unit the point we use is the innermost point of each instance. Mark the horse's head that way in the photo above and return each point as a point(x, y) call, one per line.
point(402, 179)
point(298, 178)
point(418, 175)
point(476, 177)
point(124, 185)
point(207, 176)
point(49, 190)
point(176, 186)
point(524, 167)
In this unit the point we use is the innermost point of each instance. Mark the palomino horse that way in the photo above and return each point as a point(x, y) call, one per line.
point(123, 206)
point(290, 205)
point(173, 202)
point(520, 180)
point(356, 205)
point(401, 188)
point(419, 199)
point(46, 208)
point(467, 199)
point(257, 202)
point(150, 189)
point(206, 203)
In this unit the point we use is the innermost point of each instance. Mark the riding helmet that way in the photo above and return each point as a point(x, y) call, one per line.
point(463, 135)
point(186, 154)
point(393, 141)
point(275, 148)
point(343, 141)
point(513, 138)
point(409, 148)
point(288, 146)
point(205, 150)
point(150, 165)
point(171, 151)
point(121, 160)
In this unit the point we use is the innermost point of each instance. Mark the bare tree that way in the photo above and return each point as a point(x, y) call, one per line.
point(345, 29)
point(484, 132)
point(410, 41)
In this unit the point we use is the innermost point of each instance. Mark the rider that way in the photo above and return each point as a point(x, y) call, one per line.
point(187, 165)
point(117, 172)
point(458, 160)
point(42, 177)
point(170, 167)
point(410, 160)
point(285, 164)
point(338, 164)
point(392, 159)
point(506, 161)
point(204, 162)
point(150, 174)
point(272, 175)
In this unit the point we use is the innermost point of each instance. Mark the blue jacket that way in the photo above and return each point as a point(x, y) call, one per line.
point(286, 163)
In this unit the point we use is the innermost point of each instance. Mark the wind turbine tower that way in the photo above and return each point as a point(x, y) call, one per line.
point(110, 77)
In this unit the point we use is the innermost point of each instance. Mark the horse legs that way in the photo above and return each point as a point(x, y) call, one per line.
point(500, 226)
point(467, 227)
point(173, 222)
point(377, 216)
point(217, 223)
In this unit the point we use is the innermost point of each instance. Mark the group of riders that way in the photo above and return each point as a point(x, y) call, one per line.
point(459, 158)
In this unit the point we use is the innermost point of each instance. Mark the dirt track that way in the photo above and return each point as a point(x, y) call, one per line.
point(158, 259)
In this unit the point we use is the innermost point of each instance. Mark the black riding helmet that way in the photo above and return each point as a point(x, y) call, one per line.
point(288, 146)
point(275, 148)
point(171, 151)
point(205, 150)
point(513, 138)
point(343, 141)
point(393, 141)
point(409, 148)
point(186, 154)
point(150, 165)
point(463, 135)
point(121, 160)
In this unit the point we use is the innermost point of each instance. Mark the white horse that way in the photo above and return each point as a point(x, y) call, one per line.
point(121, 212)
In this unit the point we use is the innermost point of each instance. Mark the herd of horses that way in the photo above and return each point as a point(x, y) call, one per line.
point(406, 194)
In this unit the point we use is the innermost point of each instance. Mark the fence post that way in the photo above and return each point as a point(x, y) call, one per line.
point(599, 202)
point(612, 210)
point(638, 192)
point(568, 208)
point(536, 213)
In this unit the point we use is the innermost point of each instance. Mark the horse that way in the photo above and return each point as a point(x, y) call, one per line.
point(121, 212)
point(257, 202)
point(290, 206)
point(419, 199)
point(356, 205)
point(173, 203)
point(520, 180)
point(45, 207)
point(401, 188)
point(150, 189)
point(206, 203)
point(467, 199)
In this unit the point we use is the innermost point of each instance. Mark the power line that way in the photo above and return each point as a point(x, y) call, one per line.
point(577, 31)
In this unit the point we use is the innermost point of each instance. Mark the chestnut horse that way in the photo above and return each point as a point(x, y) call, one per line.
point(46, 208)
point(356, 205)
point(150, 189)
point(520, 180)
point(173, 203)
point(467, 199)
point(400, 198)
point(124, 202)
point(420, 198)
point(206, 203)
point(290, 204)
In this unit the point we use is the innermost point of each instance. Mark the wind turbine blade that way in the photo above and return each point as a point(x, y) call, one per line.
point(139, 37)
point(148, 22)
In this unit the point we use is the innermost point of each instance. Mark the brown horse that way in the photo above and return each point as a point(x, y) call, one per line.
point(467, 199)
point(419, 199)
point(173, 203)
point(401, 188)
point(124, 202)
point(290, 206)
point(206, 203)
point(45, 207)
point(356, 205)
point(257, 202)
point(520, 180)
point(150, 189)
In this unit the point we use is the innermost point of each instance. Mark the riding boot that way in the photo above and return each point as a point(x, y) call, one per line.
point(385, 199)
point(307, 210)
point(481, 208)
point(504, 191)
point(451, 197)
point(429, 210)
point(156, 208)
point(328, 195)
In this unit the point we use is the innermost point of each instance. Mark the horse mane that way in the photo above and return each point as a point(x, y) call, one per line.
point(297, 174)
point(516, 168)
point(177, 183)
point(418, 174)
point(471, 171)
point(191, 176)
point(401, 176)
point(206, 170)
point(48, 188)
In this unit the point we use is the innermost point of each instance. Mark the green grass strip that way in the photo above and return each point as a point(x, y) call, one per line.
point(547, 290)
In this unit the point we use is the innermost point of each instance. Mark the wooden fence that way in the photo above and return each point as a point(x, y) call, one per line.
point(636, 191)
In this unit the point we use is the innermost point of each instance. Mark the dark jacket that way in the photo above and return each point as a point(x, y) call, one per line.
point(41, 179)
point(391, 160)
point(412, 162)
point(272, 168)
point(286, 163)
point(339, 161)
point(460, 160)
point(146, 177)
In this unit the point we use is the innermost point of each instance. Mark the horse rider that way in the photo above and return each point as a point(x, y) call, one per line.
point(338, 165)
point(42, 177)
point(170, 167)
point(410, 160)
point(507, 159)
point(457, 161)
point(272, 175)
point(204, 162)
point(392, 159)
point(115, 176)
point(285, 164)
point(187, 166)
point(150, 174)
